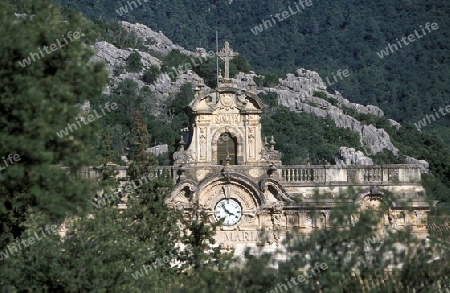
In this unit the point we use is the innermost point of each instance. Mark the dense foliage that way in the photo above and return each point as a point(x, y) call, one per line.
point(134, 63)
point(325, 37)
point(38, 101)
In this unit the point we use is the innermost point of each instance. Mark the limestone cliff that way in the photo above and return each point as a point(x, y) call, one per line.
point(156, 44)
point(296, 92)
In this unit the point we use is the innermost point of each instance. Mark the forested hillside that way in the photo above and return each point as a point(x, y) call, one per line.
point(325, 37)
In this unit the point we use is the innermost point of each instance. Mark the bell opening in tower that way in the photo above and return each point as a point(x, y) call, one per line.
point(226, 148)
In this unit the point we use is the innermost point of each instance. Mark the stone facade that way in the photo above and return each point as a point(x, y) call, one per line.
point(227, 158)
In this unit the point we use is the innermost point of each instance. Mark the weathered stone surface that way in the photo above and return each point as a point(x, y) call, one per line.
point(163, 87)
point(296, 92)
point(155, 41)
point(243, 80)
point(86, 106)
point(305, 81)
point(423, 164)
point(394, 123)
point(348, 156)
point(158, 149)
point(115, 57)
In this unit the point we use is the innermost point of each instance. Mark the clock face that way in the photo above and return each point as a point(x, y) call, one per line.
point(228, 209)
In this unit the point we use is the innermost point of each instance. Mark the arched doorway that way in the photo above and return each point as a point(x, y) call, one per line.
point(226, 146)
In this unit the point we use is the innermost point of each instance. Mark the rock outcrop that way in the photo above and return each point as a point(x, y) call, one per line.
point(163, 87)
point(154, 41)
point(349, 156)
point(296, 92)
point(115, 57)
point(424, 166)
point(158, 149)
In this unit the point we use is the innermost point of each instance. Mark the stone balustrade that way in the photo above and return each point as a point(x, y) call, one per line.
point(294, 174)
point(350, 174)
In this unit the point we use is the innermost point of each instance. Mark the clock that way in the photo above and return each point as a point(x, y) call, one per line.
point(228, 209)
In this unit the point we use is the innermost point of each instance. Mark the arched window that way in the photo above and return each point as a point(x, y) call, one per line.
point(226, 146)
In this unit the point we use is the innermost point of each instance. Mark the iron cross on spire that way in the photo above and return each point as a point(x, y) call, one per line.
point(226, 54)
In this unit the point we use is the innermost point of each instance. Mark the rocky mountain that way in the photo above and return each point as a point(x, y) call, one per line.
point(298, 91)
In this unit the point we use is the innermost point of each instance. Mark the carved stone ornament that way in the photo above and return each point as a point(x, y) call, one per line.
point(255, 173)
point(308, 222)
point(179, 206)
point(270, 155)
point(201, 174)
point(184, 157)
point(277, 191)
point(227, 101)
point(277, 207)
point(351, 175)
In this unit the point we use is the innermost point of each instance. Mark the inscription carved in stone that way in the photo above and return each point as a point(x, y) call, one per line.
point(239, 236)
point(227, 118)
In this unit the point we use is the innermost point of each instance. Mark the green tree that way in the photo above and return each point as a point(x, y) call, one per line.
point(173, 60)
point(208, 71)
point(142, 162)
point(198, 237)
point(140, 138)
point(114, 33)
point(239, 64)
point(103, 252)
point(304, 138)
point(268, 80)
point(106, 151)
point(134, 63)
point(39, 100)
point(151, 74)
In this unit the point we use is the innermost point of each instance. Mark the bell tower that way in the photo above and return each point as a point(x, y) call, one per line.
point(226, 128)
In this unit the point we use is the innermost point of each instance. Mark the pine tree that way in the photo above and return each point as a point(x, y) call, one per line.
point(142, 162)
point(106, 151)
point(108, 184)
point(140, 139)
point(38, 102)
point(201, 253)
point(40, 88)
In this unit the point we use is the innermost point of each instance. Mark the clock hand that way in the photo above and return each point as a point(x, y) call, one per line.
point(223, 207)
point(228, 212)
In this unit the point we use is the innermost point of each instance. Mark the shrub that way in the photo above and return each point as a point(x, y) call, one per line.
point(270, 80)
point(321, 95)
point(151, 74)
point(134, 63)
point(259, 80)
